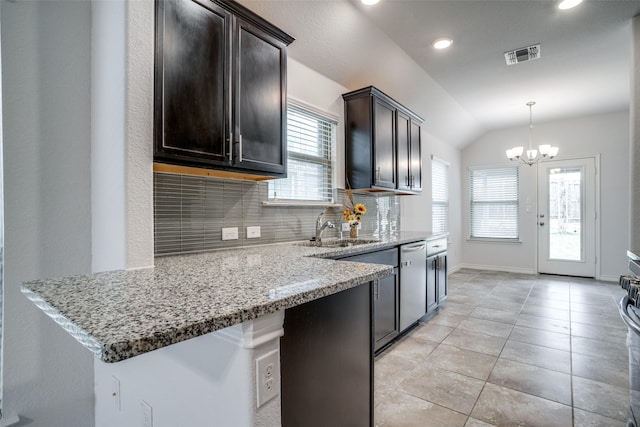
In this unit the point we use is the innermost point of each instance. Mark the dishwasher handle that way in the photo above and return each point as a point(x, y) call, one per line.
point(407, 248)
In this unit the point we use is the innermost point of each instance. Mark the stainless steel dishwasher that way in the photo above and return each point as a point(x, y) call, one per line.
point(413, 283)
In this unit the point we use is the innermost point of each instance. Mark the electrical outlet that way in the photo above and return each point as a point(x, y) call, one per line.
point(147, 414)
point(346, 226)
point(230, 233)
point(253, 232)
point(268, 377)
point(115, 392)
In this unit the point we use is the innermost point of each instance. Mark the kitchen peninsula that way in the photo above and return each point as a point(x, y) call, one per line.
point(182, 337)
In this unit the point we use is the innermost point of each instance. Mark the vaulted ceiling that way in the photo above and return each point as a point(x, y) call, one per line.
point(583, 69)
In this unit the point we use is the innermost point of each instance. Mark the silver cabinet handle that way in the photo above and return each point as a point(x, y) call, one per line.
point(230, 146)
point(240, 149)
point(414, 248)
point(377, 174)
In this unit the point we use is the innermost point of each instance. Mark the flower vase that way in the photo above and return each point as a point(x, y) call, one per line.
point(353, 231)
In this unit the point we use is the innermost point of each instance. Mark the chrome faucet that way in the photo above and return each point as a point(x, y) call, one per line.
point(320, 227)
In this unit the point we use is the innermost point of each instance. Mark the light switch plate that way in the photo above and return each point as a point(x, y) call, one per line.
point(147, 414)
point(345, 226)
point(253, 232)
point(230, 233)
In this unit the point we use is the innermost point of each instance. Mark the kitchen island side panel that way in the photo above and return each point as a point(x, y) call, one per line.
point(327, 361)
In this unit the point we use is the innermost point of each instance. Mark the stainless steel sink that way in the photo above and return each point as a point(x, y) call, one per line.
point(345, 243)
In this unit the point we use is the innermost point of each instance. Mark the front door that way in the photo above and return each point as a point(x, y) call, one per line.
point(567, 217)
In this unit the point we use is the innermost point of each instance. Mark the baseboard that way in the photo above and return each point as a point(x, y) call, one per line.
point(609, 278)
point(10, 420)
point(498, 268)
point(451, 270)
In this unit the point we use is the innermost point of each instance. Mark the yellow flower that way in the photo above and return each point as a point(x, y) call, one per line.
point(360, 209)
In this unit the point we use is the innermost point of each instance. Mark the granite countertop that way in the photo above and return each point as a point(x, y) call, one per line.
point(121, 314)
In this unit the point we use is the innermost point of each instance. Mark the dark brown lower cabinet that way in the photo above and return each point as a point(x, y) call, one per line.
point(385, 299)
point(327, 361)
point(432, 283)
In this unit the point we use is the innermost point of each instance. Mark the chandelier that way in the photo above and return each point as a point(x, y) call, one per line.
point(546, 151)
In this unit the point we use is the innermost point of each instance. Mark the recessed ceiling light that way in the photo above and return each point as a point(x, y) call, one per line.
point(442, 43)
point(369, 2)
point(568, 4)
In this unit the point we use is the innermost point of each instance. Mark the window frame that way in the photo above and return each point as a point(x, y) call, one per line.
point(494, 239)
point(327, 160)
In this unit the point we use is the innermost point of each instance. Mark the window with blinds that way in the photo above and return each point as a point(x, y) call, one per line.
point(439, 196)
point(310, 141)
point(494, 203)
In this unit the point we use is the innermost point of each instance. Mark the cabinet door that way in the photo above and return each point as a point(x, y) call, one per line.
point(404, 151)
point(442, 278)
point(259, 101)
point(386, 322)
point(192, 87)
point(432, 280)
point(384, 142)
point(415, 165)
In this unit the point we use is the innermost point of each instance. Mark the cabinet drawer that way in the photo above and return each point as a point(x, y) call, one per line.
point(435, 246)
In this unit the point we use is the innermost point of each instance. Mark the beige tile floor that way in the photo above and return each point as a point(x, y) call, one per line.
point(510, 350)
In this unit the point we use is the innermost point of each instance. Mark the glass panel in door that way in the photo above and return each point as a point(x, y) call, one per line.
point(567, 217)
point(565, 213)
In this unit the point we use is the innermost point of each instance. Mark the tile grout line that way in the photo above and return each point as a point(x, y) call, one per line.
point(573, 412)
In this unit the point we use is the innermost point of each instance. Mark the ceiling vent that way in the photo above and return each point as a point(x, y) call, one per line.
point(523, 54)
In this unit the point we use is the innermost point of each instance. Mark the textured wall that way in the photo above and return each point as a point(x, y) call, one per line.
point(48, 377)
point(634, 158)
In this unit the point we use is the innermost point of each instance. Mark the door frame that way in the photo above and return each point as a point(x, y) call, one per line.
point(596, 158)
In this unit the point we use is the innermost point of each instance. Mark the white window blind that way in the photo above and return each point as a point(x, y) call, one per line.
point(439, 196)
point(494, 203)
point(310, 141)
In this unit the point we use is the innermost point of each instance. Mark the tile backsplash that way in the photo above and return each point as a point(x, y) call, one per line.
point(190, 212)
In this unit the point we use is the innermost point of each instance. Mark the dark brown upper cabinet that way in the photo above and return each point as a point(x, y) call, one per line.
point(382, 143)
point(409, 153)
point(220, 89)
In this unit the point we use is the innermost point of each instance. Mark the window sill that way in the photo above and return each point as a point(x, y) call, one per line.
point(492, 241)
point(300, 203)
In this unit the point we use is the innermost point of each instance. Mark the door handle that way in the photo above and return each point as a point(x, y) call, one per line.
point(240, 148)
point(231, 146)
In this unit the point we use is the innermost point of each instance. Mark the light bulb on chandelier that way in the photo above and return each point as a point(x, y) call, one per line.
point(546, 151)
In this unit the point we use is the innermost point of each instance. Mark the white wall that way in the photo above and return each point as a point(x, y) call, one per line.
point(607, 135)
point(634, 140)
point(122, 58)
point(308, 86)
point(46, 119)
point(416, 210)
